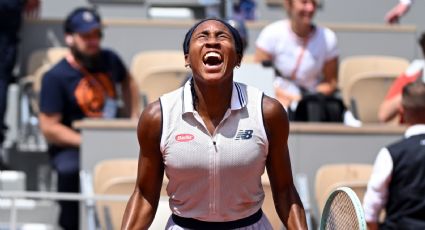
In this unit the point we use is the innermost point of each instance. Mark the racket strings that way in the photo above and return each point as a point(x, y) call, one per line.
point(342, 213)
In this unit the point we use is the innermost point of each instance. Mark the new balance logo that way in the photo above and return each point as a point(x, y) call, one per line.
point(244, 134)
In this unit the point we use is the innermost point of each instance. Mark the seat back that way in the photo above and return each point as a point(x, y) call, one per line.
point(152, 69)
point(144, 61)
point(106, 170)
point(118, 177)
point(329, 177)
point(351, 66)
point(367, 91)
point(161, 80)
point(114, 177)
point(49, 56)
point(39, 62)
point(115, 209)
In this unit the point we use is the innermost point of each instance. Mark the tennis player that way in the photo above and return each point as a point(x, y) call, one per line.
point(214, 138)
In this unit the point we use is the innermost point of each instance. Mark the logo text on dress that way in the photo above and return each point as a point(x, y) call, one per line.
point(184, 137)
point(244, 134)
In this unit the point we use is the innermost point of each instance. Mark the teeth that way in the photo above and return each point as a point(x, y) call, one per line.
point(212, 54)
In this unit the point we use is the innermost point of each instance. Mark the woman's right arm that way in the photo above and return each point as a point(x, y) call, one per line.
point(389, 108)
point(143, 203)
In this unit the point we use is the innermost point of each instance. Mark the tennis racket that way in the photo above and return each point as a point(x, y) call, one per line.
point(343, 211)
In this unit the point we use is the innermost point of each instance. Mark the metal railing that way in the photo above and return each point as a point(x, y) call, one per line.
point(87, 199)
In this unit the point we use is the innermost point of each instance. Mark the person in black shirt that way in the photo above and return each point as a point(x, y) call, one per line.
point(85, 84)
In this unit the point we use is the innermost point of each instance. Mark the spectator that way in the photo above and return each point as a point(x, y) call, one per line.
point(10, 23)
point(397, 183)
point(207, 138)
point(389, 108)
point(394, 15)
point(83, 84)
point(305, 55)
point(245, 10)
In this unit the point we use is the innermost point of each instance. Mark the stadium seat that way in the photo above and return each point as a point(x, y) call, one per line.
point(159, 67)
point(161, 80)
point(48, 56)
point(366, 92)
point(352, 66)
point(329, 177)
point(118, 177)
point(145, 60)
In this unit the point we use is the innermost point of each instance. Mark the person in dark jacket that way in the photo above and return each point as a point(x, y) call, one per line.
point(11, 12)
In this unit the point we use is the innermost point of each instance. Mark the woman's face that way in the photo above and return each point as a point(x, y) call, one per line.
point(212, 55)
point(302, 11)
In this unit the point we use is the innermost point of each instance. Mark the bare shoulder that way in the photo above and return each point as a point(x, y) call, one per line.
point(150, 121)
point(275, 116)
point(272, 109)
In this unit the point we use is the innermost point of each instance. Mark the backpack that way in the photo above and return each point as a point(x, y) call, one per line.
point(319, 108)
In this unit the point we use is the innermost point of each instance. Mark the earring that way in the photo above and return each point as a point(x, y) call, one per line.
point(187, 65)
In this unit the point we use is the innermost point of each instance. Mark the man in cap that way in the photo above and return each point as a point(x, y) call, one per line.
point(89, 82)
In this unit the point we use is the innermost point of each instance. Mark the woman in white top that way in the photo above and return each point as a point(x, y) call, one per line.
point(213, 138)
point(305, 55)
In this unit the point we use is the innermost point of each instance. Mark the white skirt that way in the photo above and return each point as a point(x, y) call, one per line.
point(262, 224)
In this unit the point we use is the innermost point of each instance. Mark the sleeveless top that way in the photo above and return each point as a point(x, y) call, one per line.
point(405, 208)
point(214, 177)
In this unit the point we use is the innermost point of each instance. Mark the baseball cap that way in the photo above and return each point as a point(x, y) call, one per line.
point(82, 20)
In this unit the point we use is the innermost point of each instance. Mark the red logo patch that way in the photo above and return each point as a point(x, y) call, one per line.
point(185, 137)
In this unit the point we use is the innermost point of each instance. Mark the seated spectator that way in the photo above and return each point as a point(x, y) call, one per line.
point(397, 183)
point(389, 108)
point(305, 55)
point(244, 9)
point(82, 85)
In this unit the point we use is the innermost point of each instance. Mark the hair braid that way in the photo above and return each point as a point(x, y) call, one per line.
point(194, 96)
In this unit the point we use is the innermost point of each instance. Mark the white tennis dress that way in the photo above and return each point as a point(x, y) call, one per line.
point(214, 177)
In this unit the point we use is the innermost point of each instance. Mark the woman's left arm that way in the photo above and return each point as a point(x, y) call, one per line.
point(287, 202)
point(330, 73)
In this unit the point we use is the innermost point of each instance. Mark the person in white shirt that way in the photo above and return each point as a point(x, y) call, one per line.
point(305, 55)
point(399, 10)
point(397, 183)
point(214, 138)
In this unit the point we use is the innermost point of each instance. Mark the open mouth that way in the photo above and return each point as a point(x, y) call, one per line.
point(212, 59)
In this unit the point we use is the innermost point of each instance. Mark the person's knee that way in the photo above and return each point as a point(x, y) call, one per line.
point(67, 162)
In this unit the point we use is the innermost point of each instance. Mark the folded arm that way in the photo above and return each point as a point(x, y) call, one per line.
point(57, 133)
